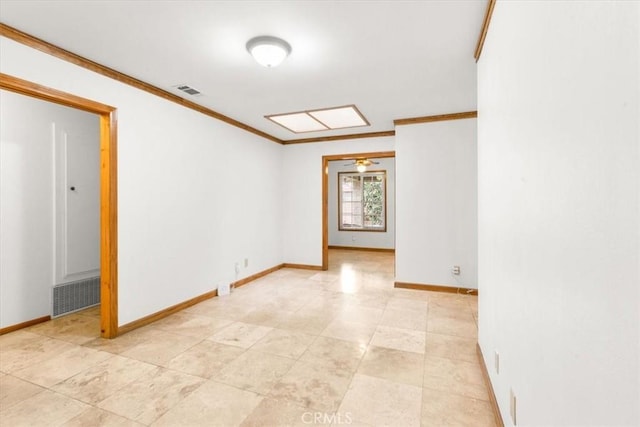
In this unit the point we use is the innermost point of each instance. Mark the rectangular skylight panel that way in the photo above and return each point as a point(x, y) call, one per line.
point(340, 117)
point(298, 122)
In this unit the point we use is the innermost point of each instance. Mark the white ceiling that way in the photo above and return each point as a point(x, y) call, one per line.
point(392, 59)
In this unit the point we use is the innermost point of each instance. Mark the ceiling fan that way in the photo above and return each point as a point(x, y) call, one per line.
point(362, 164)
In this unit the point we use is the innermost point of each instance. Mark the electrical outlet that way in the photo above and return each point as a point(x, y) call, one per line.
point(237, 267)
point(497, 362)
point(246, 262)
point(512, 406)
point(456, 270)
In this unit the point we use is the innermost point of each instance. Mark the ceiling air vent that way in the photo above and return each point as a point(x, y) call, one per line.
point(188, 89)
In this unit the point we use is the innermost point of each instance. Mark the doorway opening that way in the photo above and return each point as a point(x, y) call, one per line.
point(108, 189)
point(325, 192)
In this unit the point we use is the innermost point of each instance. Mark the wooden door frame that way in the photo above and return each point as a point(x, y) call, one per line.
point(108, 189)
point(325, 193)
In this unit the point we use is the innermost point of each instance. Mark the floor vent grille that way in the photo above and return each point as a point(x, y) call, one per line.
point(74, 296)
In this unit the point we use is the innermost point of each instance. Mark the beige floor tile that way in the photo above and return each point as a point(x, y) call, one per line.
point(205, 359)
point(360, 333)
point(62, 366)
point(343, 287)
point(223, 311)
point(43, 409)
point(104, 379)
point(325, 277)
point(371, 298)
point(73, 328)
point(91, 311)
point(361, 314)
point(412, 294)
point(459, 312)
point(150, 396)
point(333, 354)
point(455, 376)
point(284, 343)
point(192, 325)
point(212, 404)
point(397, 303)
point(406, 319)
point(461, 327)
point(309, 322)
point(400, 366)
point(240, 334)
point(125, 342)
point(282, 413)
point(312, 386)
point(161, 349)
point(399, 339)
point(456, 301)
point(14, 390)
point(254, 371)
point(448, 409)
point(348, 323)
point(267, 316)
point(16, 339)
point(381, 402)
point(451, 347)
point(28, 349)
point(97, 417)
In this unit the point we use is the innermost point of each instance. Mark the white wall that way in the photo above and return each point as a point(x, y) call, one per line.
point(559, 215)
point(30, 137)
point(302, 193)
point(76, 140)
point(362, 239)
point(195, 195)
point(436, 210)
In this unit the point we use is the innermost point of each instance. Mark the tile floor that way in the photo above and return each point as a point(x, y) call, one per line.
point(295, 348)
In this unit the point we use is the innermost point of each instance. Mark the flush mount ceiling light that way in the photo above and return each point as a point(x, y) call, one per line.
point(346, 116)
point(268, 51)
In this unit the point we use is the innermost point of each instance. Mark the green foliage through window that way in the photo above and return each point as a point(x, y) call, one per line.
point(362, 201)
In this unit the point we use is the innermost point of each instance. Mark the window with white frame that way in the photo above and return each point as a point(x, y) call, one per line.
point(362, 201)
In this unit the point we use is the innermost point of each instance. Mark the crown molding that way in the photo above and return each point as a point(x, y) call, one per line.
point(485, 28)
point(438, 118)
point(340, 137)
point(58, 52)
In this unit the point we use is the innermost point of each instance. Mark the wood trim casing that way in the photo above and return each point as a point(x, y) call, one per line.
point(23, 325)
point(492, 394)
point(108, 189)
point(108, 226)
point(355, 248)
point(325, 193)
point(438, 118)
point(146, 320)
point(339, 192)
point(436, 288)
point(302, 266)
point(153, 317)
point(340, 137)
point(253, 277)
point(58, 52)
point(485, 28)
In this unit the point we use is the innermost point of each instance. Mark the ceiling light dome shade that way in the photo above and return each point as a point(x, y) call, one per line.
point(268, 51)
